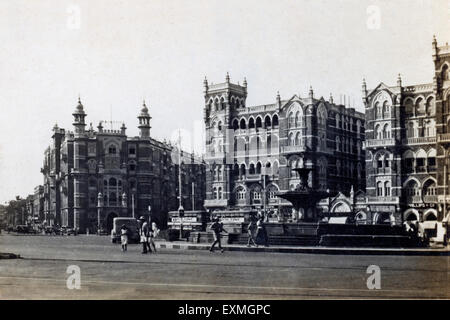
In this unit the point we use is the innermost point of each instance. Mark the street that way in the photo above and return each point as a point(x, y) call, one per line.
point(108, 273)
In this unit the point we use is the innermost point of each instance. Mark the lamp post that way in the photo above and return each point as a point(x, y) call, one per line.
point(99, 208)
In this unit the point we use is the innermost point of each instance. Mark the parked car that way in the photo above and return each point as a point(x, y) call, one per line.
point(68, 231)
point(132, 226)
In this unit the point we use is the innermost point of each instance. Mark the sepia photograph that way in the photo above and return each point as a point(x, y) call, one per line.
point(229, 152)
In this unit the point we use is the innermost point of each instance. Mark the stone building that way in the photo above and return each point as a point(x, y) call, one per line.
point(251, 150)
point(92, 176)
point(408, 145)
point(38, 203)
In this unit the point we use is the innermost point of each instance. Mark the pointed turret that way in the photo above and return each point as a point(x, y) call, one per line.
point(144, 122)
point(399, 80)
point(331, 98)
point(205, 86)
point(227, 78)
point(79, 118)
point(364, 88)
point(311, 92)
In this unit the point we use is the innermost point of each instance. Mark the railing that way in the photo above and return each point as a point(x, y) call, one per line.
point(216, 203)
point(419, 140)
point(379, 142)
point(291, 149)
point(384, 199)
point(430, 198)
point(384, 170)
point(445, 137)
point(414, 199)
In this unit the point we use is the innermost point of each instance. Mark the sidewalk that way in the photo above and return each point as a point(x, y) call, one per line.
point(182, 245)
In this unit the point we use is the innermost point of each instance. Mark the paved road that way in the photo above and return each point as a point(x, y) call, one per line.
point(107, 273)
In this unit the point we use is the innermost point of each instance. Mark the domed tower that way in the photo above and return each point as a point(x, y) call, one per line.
point(79, 119)
point(144, 122)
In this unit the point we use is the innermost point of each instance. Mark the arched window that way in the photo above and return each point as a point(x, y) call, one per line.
point(215, 196)
point(258, 168)
point(219, 193)
point(291, 140)
point(420, 106)
point(386, 131)
point(267, 122)
point(338, 143)
point(412, 188)
point(387, 188)
point(112, 149)
point(298, 119)
point(251, 123)
point(379, 189)
point(378, 111)
point(258, 122)
point(235, 124)
point(445, 74)
point(386, 109)
point(337, 121)
point(112, 182)
point(291, 120)
point(429, 188)
point(430, 107)
point(242, 170)
point(275, 168)
point(269, 144)
point(251, 170)
point(268, 169)
point(242, 124)
point(275, 121)
point(298, 139)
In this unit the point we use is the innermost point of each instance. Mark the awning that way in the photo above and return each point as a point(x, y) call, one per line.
point(338, 220)
point(429, 224)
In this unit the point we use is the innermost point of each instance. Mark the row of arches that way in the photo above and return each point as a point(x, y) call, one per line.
point(268, 168)
point(219, 103)
point(255, 193)
point(269, 122)
point(413, 187)
point(420, 106)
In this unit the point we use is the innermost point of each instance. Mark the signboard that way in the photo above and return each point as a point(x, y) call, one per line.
point(232, 220)
point(184, 219)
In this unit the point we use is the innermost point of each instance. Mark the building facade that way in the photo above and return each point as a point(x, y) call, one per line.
point(407, 146)
point(251, 150)
point(92, 176)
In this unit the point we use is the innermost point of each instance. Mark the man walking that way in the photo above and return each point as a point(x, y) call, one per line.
point(251, 231)
point(144, 233)
point(217, 228)
point(261, 233)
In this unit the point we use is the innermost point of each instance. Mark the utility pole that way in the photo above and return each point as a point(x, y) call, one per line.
point(193, 196)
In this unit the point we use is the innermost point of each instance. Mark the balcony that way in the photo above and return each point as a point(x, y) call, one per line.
point(216, 203)
point(253, 177)
point(293, 149)
point(445, 137)
point(419, 140)
point(430, 199)
point(384, 170)
point(383, 199)
point(414, 199)
point(379, 143)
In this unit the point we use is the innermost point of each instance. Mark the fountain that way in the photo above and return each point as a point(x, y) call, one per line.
point(304, 197)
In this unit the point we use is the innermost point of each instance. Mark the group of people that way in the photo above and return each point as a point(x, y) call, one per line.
point(256, 232)
point(147, 233)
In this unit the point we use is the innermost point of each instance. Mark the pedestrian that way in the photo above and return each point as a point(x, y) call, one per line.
point(144, 235)
point(124, 237)
point(261, 233)
point(217, 228)
point(251, 231)
point(154, 231)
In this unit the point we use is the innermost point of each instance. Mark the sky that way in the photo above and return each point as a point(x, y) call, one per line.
point(113, 54)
